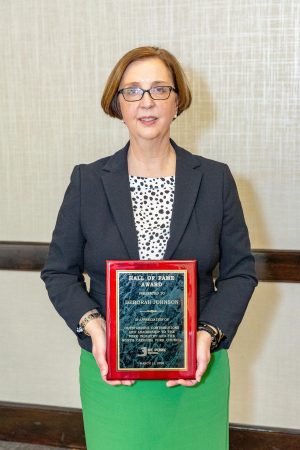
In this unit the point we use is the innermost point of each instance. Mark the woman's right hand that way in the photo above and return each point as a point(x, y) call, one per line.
point(97, 330)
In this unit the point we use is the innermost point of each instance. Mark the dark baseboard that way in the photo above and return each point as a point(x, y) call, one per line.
point(63, 427)
point(271, 265)
point(42, 425)
point(248, 437)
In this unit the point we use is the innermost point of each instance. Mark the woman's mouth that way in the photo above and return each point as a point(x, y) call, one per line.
point(148, 120)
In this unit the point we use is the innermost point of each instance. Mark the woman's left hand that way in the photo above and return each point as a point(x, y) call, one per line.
point(203, 358)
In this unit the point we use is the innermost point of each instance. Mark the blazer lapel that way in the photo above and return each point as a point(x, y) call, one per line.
point(116, 183)
point(187, 182)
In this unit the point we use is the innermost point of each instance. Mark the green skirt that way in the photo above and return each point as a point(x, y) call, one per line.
point(150, 416)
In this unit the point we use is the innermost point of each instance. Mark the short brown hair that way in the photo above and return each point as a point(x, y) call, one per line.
point(110, 101)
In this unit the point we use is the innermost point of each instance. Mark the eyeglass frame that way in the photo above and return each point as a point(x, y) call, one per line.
point(171, 88)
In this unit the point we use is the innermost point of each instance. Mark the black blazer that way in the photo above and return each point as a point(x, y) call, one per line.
point(95, 222)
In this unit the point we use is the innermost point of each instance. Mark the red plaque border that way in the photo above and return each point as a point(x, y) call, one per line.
point(112, 266)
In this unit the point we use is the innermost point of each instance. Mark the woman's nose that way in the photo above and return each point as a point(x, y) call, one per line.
point(146, 100)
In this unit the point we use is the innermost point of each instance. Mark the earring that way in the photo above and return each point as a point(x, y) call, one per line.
point(175, 116)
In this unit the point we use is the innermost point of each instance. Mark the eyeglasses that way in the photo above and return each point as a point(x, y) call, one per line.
point(134, 94)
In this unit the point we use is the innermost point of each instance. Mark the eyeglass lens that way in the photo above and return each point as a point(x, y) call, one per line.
point(156, 92)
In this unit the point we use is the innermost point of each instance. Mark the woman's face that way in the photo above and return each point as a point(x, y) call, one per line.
point(147, 118)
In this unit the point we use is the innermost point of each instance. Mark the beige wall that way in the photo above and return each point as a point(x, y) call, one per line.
point(242, 59)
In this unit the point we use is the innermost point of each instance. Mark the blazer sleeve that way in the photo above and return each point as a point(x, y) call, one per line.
point(237, 277)
point(63, 271)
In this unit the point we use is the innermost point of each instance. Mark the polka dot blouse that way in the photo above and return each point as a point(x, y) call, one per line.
point(152, 203)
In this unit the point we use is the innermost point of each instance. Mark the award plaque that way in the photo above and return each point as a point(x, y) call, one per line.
point(151, 319)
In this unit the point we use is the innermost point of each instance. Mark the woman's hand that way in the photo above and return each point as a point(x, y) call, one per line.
point(97, 330)
point(203, 358)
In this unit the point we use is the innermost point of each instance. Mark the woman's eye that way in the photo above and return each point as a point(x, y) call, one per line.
point(160, 89)
point(133, 91)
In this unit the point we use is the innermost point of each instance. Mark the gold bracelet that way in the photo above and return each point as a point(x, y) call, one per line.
point(87, 319)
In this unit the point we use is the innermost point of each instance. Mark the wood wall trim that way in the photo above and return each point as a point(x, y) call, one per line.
point(278, 265)
point(63, 427)
point(271, 265)
point(23, 255)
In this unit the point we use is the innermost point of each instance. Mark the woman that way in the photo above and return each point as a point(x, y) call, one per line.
point(152, 200)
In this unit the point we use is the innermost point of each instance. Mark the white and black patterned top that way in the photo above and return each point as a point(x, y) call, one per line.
point(152, 202)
